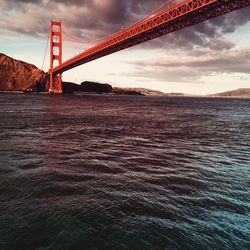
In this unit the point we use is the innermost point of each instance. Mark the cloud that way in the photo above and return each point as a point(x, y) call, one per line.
point(190, 67)
point(97, 18)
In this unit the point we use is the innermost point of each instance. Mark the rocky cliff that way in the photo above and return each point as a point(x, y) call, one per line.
point(17, 75)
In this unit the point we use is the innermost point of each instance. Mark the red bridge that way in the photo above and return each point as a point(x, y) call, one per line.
point(179, 16)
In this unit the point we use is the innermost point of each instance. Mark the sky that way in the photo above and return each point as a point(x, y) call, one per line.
point(207, 58)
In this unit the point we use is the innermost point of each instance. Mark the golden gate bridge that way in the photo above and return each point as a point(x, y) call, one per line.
point(170, 17)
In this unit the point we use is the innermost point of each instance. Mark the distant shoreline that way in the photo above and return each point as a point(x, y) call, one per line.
point(21, 92)
point(10, 91)
point(113, 94)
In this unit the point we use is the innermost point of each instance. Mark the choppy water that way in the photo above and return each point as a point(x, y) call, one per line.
point(124, 172)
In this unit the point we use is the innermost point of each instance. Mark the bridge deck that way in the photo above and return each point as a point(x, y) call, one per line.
point(182, 15)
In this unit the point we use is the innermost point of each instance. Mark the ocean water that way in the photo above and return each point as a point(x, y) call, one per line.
point(124, 172)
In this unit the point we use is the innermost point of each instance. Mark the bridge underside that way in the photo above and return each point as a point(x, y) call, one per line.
point(209, 9)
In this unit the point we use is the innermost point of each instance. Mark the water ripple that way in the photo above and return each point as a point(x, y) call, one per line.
point(108, 172)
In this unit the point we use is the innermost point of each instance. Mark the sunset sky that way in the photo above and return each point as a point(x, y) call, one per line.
point(206, 58)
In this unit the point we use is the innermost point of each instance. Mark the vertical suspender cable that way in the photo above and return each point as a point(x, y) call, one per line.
point(45, 52)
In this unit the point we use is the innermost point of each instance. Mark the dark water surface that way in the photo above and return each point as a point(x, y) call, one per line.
point(124, 172)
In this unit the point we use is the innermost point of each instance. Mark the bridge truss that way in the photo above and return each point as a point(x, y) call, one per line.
point(184, 14)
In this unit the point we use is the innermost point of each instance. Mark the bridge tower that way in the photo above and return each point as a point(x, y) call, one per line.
point(55, 85)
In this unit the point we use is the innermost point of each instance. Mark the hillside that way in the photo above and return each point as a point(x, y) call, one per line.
point(87, 86)
point(243, 93)
point(16, 75)
point(137, 91)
